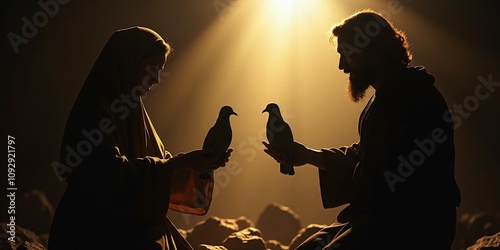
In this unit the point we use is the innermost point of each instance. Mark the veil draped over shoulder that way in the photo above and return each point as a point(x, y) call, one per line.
point(111, 148)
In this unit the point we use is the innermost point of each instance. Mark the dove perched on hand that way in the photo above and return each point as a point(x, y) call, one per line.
point(279, 135)
point(219, 136)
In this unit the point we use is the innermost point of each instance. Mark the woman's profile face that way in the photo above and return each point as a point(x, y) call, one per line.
point(149, 71)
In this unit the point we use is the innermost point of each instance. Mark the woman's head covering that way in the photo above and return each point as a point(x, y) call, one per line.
point(120, 59)
point(109, 115)
point(112, 91)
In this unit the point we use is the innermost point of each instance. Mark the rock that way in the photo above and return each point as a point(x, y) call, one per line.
point(44, 239)
point(305, 233)
point(247, 239)
point(483, 223)
point(34, 211)
point(278, 222)
point(209, 247)
point(25, 239)
point(22, 234)
point(487, 243)
point(243, 222)
point(473, 225)
point(8, 245)
point(31, 246)
point(212, 231)
point(462, 240)
point(251, 231)
point(275, 245)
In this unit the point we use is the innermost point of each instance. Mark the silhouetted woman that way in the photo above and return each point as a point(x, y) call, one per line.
point(120, 179)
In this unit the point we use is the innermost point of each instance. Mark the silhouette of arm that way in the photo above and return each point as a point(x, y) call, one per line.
point(336, 177)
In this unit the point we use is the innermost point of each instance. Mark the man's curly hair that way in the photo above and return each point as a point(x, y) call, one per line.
point(391, 41)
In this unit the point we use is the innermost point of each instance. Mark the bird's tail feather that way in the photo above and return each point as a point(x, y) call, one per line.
point(287, 169)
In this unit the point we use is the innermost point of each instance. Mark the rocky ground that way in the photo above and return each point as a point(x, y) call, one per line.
point(475, 230)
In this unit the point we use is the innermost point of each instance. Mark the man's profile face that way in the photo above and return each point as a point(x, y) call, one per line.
point(355, 63)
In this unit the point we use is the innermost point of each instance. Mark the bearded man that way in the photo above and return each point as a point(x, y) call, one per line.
point(397, 181)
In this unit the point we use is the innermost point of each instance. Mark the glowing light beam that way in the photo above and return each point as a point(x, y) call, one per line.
point(263, 51)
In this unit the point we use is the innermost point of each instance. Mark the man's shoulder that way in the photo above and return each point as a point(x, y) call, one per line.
point(417, 85)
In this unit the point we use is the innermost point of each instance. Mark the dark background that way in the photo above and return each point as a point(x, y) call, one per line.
point(41, 81)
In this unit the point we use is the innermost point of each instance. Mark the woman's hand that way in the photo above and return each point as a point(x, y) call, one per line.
point(301, 154)
point(200, 160)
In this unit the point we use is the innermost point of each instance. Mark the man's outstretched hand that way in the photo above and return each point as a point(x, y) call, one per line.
point(300, 154)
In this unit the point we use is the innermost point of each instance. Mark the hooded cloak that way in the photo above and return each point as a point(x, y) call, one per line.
point(114, 161)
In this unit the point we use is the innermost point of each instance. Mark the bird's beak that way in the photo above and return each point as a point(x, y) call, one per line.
point(265, 110)
point(234, 113)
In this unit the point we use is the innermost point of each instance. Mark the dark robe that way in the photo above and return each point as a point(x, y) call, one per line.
point(119, 192)
point(398, 180)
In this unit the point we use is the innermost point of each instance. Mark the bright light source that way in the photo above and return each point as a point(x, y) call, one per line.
point(282, 8)
point(263, 51)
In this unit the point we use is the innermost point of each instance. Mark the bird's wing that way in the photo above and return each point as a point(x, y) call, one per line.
point(288, 132)
point(282, 134)
point(210, 138)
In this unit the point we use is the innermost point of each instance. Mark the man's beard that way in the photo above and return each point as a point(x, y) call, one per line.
point(358, 84)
